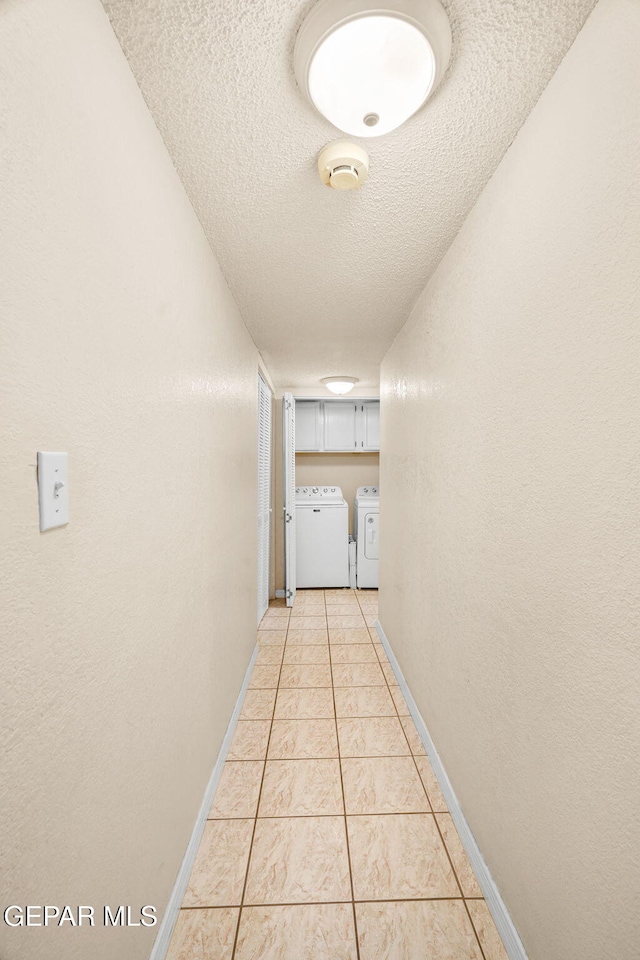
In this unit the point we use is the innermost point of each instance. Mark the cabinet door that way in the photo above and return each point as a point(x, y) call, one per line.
point(308, 432)
point(340, 425)
point(368, 425)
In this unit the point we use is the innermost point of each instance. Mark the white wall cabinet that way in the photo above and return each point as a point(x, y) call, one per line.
point(308, 425)
point(337, 426)
point(368, 425)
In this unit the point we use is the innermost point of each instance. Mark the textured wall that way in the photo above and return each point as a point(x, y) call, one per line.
point(124, 636)
point(511, 504)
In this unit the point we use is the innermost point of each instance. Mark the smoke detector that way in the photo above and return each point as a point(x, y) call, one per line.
point(343, 165)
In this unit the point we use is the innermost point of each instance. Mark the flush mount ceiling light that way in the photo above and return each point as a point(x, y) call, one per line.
point(367, 67)
point(340, 385)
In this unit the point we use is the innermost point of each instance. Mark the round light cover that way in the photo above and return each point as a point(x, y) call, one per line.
point(340, 385)
point(366, 68)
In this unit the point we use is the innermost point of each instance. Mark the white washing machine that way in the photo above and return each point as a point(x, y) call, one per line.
point(322, 537)
point(365, 516)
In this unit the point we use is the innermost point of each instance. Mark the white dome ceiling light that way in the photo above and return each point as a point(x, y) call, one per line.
point(343, 165)
point(366, 67)
point(340, 385)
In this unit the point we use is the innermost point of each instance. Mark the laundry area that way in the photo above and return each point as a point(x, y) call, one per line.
point(336, 493)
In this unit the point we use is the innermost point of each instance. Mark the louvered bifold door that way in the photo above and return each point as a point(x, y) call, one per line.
point(289, 434)
point(264, 495)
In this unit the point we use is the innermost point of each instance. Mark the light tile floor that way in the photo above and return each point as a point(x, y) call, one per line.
point(329, 838)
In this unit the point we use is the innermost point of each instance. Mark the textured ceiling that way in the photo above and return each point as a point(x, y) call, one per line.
point(325, 279)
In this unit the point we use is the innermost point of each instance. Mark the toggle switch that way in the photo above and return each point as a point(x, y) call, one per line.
point(53, 490)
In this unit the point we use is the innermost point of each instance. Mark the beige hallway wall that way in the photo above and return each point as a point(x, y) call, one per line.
point(511, 506)
point(124, 636)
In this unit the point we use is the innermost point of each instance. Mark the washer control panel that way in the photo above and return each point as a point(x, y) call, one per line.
point(318, 493)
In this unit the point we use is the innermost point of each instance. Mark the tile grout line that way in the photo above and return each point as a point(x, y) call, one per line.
point(435, 819)
point(255, 819)
point(319, 903)
point(344, 802)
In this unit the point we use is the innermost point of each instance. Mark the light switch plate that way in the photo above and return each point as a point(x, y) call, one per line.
point(53, 490)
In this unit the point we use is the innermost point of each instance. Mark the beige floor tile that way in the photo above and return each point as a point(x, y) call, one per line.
point(346, 623)
point(383, 785)
point(250, 740)
point(358, 675)
point(309, 592)
point(431, 785)
point(308, 704)
point(437, 929)
point(270, 654)
point(258, 705)
point(486, 930)
point(276, 612)
point(371, 619)
point(339, 595)
point(316, 609)
point(204, 934)
point(417, 747)
point(363, 702)
point(372, 737)
point(218, 873)
point(269, 624)
point(375, 636)
point(301, 739)
point(308, 623)
point(353, 653)
point(277, 602)
point(296, 636)
point(305, 675)
point(399, 700)
point(390, 676)
point(298, 860)
point(238, 790)
point(319, 931)
point(344, 609)
point(307, 653)
point(301, 788)
point(264, 677)
point(399, 857)
point(340, 635)
point(272, 636)
point(459, 858)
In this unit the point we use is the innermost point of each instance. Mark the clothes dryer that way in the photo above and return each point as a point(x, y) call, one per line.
point(366, 514)
point(322, 537)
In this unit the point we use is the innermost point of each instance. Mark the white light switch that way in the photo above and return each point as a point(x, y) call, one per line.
point(53, 491)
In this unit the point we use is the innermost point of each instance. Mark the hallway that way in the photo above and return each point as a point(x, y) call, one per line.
point(324, 709)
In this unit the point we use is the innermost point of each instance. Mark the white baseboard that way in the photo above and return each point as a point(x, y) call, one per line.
point(506, 928)
point(165, 931)
point(280, 594)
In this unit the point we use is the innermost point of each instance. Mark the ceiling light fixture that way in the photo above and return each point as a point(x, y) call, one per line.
point(367, 67)
point(340, 385)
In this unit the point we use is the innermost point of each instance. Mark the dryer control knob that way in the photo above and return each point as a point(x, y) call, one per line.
point(315, 490)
